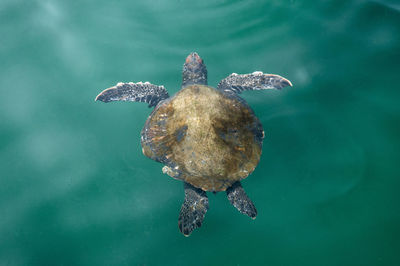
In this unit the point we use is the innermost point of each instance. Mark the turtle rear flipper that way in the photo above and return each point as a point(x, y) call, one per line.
point(238, 198)
point(134, 92)
point(254, 81)
point(193, 209)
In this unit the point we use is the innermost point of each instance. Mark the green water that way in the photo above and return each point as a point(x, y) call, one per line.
point(75, 188)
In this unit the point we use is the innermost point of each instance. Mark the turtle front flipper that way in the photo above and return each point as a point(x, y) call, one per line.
point(254, 81)
point(193, 209)
point(134, 92)
point(238, 198)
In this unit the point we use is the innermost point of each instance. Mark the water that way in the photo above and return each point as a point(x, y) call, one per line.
point(75, 188)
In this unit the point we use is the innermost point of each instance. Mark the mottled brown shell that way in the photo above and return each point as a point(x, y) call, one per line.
point(205, 137)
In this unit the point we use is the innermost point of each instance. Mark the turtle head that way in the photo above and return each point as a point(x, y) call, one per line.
point(194, 71)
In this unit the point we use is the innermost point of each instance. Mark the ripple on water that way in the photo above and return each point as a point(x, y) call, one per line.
point(392, 4)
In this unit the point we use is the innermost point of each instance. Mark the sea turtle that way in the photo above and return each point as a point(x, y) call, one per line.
point(208, 138)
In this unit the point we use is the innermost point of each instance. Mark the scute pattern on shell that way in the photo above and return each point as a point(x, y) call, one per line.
point(204, 137)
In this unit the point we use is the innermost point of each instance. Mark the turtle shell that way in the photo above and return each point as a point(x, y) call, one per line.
point(205, 137)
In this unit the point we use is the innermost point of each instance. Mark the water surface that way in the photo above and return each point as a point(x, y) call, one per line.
point(75, 188)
